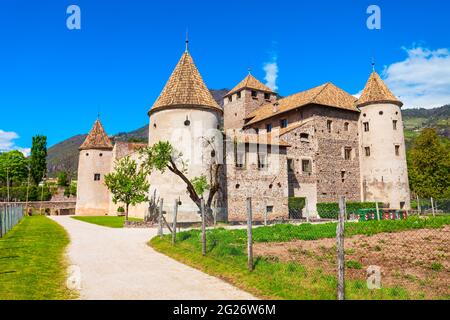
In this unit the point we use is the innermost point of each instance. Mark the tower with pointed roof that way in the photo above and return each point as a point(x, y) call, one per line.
point(186, 115)
point(94, 162)
point(384, 174)
point(246, 97)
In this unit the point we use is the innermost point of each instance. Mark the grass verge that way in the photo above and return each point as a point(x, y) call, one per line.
point(106, 221)
point(226, 258)
point(32, 263)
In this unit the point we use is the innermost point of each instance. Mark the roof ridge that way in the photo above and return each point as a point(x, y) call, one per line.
point(324, 86)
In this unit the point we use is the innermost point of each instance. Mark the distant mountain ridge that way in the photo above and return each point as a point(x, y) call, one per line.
point(63, 156)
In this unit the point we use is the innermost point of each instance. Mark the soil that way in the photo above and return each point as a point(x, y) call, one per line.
point(417, 260)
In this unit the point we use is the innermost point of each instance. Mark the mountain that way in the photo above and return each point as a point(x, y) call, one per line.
point(64, 155)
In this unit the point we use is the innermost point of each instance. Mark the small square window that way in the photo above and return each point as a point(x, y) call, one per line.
point(230, 98)
point(367, 151)
point(283, 123)
point(346, 126)
point(306, 166)
point(269, 209)
point(254, 94)
point(238, 95)
point(97, 177)
point(269, 127)
point(267, 96)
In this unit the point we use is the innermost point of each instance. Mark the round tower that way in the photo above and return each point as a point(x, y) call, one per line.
point(94, 162)
point(186, 115)
point(384, 174)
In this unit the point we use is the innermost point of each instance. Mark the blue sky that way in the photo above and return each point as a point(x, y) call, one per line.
point(53, 81)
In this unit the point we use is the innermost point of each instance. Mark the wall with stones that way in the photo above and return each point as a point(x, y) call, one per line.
point(266, 187)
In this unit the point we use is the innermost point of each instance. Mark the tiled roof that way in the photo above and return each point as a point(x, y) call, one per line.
point(97, 138)
point(327, 94)
point(185, 87)
point(376, 91)
point(250, 82)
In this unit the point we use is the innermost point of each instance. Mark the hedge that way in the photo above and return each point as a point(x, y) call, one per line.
point(330, 210)
point(20, 193)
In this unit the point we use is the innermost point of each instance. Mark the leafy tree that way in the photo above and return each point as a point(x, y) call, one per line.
point(127, 183)
point(13, 167)
point(38, 163)
point(71, 190)
point(63, 180)
point(163, 156)
point(429, 166)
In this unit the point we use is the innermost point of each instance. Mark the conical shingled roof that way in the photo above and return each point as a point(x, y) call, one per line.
point(97, 138)
point(376, 91)
point(185, 87)
point(250, 82)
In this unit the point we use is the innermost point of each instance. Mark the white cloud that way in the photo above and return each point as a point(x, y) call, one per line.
point(422, 79)
point(7, 142)
point(271, 70)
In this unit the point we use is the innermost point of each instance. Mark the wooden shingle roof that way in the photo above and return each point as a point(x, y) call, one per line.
point(376, 91)
point(327, 94)
point(250, 82)
point(185, 87)
point(97, 138)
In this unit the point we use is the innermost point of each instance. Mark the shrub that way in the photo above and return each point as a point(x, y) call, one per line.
point(330, 210)
point(295, 205)
point(20, 193)
point(120, 210)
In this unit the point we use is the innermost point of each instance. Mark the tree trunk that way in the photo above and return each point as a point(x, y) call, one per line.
point(126, 212)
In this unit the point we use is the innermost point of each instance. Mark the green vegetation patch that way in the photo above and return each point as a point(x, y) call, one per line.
point(32, 264)
point(106, 221)
point(226, 258)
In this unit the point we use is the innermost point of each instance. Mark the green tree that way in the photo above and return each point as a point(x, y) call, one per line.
point(13, 167)
point(38, 163)
point(429, 166)
point(163, 156)
point(127, 183)
point(63, 180)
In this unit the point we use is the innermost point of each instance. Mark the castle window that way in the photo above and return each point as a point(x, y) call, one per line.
point(290, 165)
point(329, 125)
point(267, 96)
point(269, 209)
point(237, 186)
point(269, 127)
point(343, 175)
point(347, 153)
point(283, 123)
point(397, 150)
point(256, 130)
point(381, 113)
point(366, 126)
point(187, 122)
point(402, 204)
point(97, 177)
point(101, 154)
point(346, 126)
point(394, 124)
point(154, 125)
point(238, 94)
point(304, 137)
point(254, 94)
point(306, 165)
point(230, 98)
point(262, 160)
point(367, 151)
point(87, 154)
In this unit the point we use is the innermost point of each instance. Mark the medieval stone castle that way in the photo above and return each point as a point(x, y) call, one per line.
point(318, 144)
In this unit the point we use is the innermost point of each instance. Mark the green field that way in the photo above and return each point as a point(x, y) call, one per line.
point(32, 264)
point(226, 258)
point(106, 221)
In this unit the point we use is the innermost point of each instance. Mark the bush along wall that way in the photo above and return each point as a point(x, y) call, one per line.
point(295, 205)
point(20, 193)
point(330, 210)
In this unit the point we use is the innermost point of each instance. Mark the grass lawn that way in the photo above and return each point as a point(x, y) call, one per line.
point(106, 221)
point(226, 258)
point(32, 264)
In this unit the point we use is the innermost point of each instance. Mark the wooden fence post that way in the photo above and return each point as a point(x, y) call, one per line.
point(419, 209)
point(306, 210)
point(160, 218)
point(174, 222)
point(249, 235)
point(202, 206)
point(265, 217)
point(378, 210)
point(432, 207)
point(340, 249)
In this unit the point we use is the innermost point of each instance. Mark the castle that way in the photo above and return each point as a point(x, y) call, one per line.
point(317, 144)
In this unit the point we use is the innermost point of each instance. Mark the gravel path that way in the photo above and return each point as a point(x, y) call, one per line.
point(118, 264)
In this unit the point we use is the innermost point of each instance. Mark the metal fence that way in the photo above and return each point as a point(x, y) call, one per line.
point(10, 215)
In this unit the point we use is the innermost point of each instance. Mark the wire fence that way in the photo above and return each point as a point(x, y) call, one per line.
point(10, 215)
